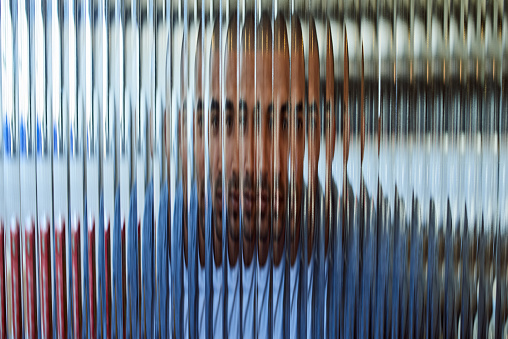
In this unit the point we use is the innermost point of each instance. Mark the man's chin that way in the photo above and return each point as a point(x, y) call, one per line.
point(264, 231)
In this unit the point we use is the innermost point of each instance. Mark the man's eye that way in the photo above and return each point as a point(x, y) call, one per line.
point(284, 124)
point(300, 124)
point(229, 121)
point(215, 122)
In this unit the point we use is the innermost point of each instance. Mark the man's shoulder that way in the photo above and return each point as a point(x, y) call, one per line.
point(178, 206)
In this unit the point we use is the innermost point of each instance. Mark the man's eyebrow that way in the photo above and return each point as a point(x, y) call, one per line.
point(229, 105)
point(214, 105)
point(242, 105)
point(199, 106)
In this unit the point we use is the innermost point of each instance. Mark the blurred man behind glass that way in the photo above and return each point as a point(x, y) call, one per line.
point(297, 150)
point(215, 149)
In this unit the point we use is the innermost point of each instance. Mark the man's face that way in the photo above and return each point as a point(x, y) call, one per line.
point(329, 134)
point(314, 130)
point(264, 150)
point(297, 146)
point(248, 171)
point(215, 144)
point(314, 125)
point(231, 151)
point(329, 110)
point(279, 128)
point(199, 155)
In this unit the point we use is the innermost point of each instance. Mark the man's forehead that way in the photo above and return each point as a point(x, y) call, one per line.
point(230, 58)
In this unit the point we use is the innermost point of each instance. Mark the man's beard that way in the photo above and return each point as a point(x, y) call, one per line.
point(279, 206)
point(217, 211)
point(249, 215)
point(233, 211)
point(263, 197)
point(201, 206)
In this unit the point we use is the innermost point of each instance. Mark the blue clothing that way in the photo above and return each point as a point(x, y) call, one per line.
point(185, 324)
point(295, 296)
point(148, 267)
point(132, 327)
point(315, 301)
point(163, 283)
point(117, 309)
point(193, 262)
point(329, 263)
point(208, 267)
point(177, 262)
point(432, 278)
point(185, 276)
point(482, 284)
point(416, 286)
point(248, 284)
point(466, 318)
point(367, 268)
point(263, 300)
point(381, 321)
point(337, 285)
point(449, 286)
point(101, 259)
point(218, 301)
point(399, 287)
point(233, 298)
point(205, 275)
point(278, 299)
point(201, 331)
point(352, 247)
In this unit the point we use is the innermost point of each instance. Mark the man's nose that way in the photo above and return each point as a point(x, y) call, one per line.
point(265, 155)
point(248, 149)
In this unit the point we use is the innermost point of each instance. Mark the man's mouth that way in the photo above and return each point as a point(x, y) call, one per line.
point(218, 197)
point(248, 202)
point(233, 200)
point(263, 202)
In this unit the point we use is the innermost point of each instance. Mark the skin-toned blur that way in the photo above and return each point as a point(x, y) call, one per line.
point(297, 135)
point(279, 127)
point(313, 130)
point(199, 154)
point(263, 150)
point(246, 123)
point(256, 111)
point(329, 116)
point(215, 145)
point(231, 143)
